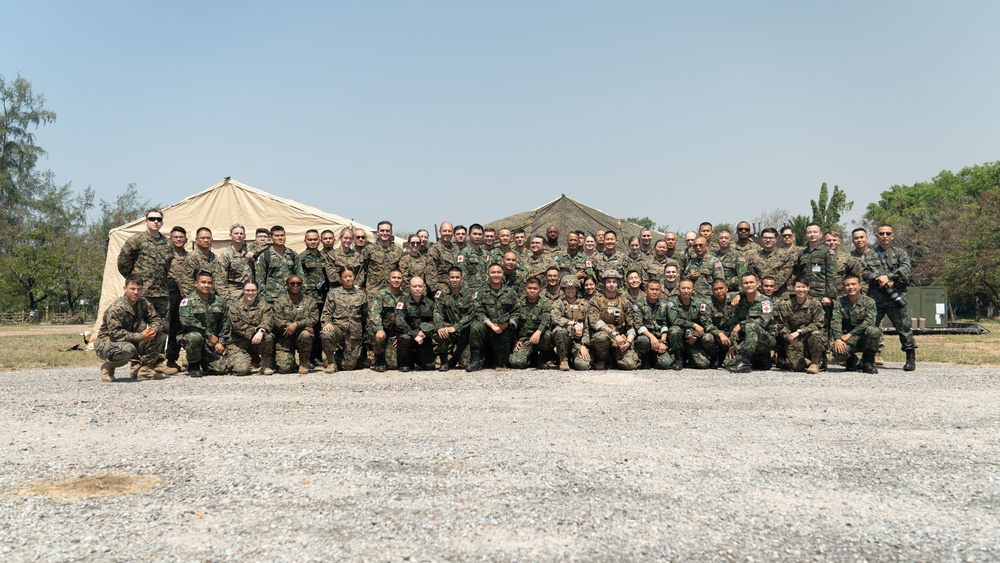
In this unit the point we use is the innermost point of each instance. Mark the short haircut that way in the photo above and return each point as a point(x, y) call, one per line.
point(489, 230)
point(704, 224)
point(460, 228)
point(455, 269)
point(262, 230)
point(153, 210)
point(134, 279)
point(801, 279)
point(533, 280)
point(851, 277)
point(475, 226)
point(862, 229)
point(203, 230)
point(771, 230)
point(203, 274)
point(312, 231)
point(612, 233)
point(383, 222)
point(179, 229)
point(519, 230)
point(653, 281)
point(814, 225)
point(235, 226)
point(277, 229)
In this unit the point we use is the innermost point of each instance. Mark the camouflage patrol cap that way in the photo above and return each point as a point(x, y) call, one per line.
point(611, 274)
point(568, 281)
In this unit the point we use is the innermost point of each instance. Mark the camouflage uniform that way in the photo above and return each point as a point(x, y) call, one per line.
point(379, 261)
point(778, 264)
point(637, 263)
point(551, 296)
point(456, 310)
point(418, 265)
point(571, 264)
point(807, 319)
point(528, 318)
point(653, 323)
point(607, 262)
point(654, 269)
point(708, 268)
point(537, 265)
point(516, 279)
point(120, 336)
point(174, 318)
point(748, 248)
point(412, 318)
point(565, 315)
point(313, 275)
point(245, 321)
point(151, 258)
point(382, 316)
point(682, 319)
point(756, 321)
point(606, 318)
point(895, 263)
point(473, 263)
point(819, 266)
point(721, 313)
point(858, 320)
point(195, 262)
point(284, 312)
point(346, 310)
point(497, 306)
point(200, 320)
point(734, 266)
point(846, 264)
point(860, 258)
point(232, 272)
point(338, 259)
point(679, 259)
point(273, 269)
point(441, 257)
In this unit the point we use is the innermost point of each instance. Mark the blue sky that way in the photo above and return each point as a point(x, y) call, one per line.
point(470, 111)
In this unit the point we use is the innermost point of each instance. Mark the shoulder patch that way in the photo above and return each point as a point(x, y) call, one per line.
point(635, 307)
point(475, 294)
point(718, 264)
point(460, 259)
point(742, 259)
point(437, 294)
point(670, 304)
point(703, 307)
point(399, 305)
point(766, 306)
point(184, 302)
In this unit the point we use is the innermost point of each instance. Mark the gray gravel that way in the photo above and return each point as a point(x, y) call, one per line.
point(509, 465)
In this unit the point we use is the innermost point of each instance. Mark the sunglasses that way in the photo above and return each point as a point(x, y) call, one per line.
point(294, 284)
point(156, 219)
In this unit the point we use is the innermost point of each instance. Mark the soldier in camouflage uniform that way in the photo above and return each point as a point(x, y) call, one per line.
point(886, 271)
point(413, 263)
point(442, 256)
point(492, 252)
point(380, 259)
point(343, 321)
point(250, 332)
point(455, 311)
point(531, 319)
point(635, 260)
point(721, 310)
point(610, 259)
point(573, 261)
point(846, 264)
point(753, 330)
point(415, 325)
point(149, 254)
point(538, 261)
point(232, 270)
point(745, 244)
point(771, 261)
point(205, 330)
point(492, 331)
point(800, 324)
point(293, 316)
point(734, 264)
point(860, 253)
point(514, 273)
point(679, 257)
point(703, 268)
point(656, 262)
point(202, 259)
point(314, 286)
point(570, 332)
point(612, 325)
point(646, 241)
point(553, 290)
point(345, 256)
point(472, 260)
point(854, 327)
point(671, 280)
point(178, 239)
point(691, 328)
point(653, 328)
point(274, 265)
point(131, 329)
point(382, 321)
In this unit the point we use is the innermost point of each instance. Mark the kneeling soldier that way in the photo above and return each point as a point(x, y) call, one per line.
point(414, 325)
point(131, 329)
point(250, 332)
point(454, 312)
point(753, 330)
point(531, 319)
point(854, 329)
point(204, 328)
point(293, 315)
point(571, 334)
point(610, 319)
point(800, 326)
point(691, 328)
point(654, 328)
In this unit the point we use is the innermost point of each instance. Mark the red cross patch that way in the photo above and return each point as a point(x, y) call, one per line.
point(590, 264)
point(399, 305)
point(475, 294)
point(438, 294)
point(184, 302)
point(703, 307)
point(766, 306)
point(460, 259)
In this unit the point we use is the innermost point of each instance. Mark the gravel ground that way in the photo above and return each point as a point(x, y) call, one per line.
point(509, 466)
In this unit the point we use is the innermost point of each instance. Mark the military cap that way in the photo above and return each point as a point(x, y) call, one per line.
point(611, 273)
point(568, 281)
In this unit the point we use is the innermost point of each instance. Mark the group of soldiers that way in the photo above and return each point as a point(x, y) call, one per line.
point(481, 297)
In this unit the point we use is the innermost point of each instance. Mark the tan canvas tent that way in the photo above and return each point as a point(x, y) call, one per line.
point(569, 214)
point(217, 208)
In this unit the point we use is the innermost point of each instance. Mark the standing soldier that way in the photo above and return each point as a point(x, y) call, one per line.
point(538, 260)
point(231, 267)
point(646, 241)
point(570, 331)
point(413, 264)
point(275, 264)
point(817, 264)
point(204, 328)
point(314, 286)
point(293, 315)
point(250, 332)
point(610, 258)
point(734, 264)
point(691, 328)
point(382, 320)
point(771, 261)
point(635, 260)
point(380, 258)
point(454, 313)
point(414, 325)
point(531, 319)
point(345, 256)
point(703, 268)
point(514, 273)
point(744, 240)
point(573, 261)
point(131, 329)
point(887, 271)
point(492, 331)
point(202, 259)
point(149, 254)
point(493, 253)
point(653, 328)
point(472, 259)
point(344, 315)
point(753, 330)
point(442, 256)
point(679, 257)
point(846, 264)
point(854, 327)
point(178, 239)
point(612, 330)
point(800, 326)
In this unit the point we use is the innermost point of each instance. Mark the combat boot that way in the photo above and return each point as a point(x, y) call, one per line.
point(911, 360)
point(813, 368)
point(146, 373)
point(134, 369)
point(379, 363)
point(165, 369)
point(476, 363)
point(330, 367)
point(878, 359)
point(678, 363)
point(266, 369)
point(194, 370)
point(107, 372)
point(852, 362)
point(443, 358)
point(172, 364)
point(540, 362)
point(599, 365)
point(868, 362)
point(741, 366)
point(563, 362)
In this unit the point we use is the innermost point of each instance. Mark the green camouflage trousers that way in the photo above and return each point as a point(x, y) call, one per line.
point(346, 338)
point(238, 354)
point(869, 341)
point(644, 346)
point(754, 341)
point(605, 350)
point(699, 353)
point(285, 347)
point(455, 344)
point(197, 350)
point(901, 320)
point(485, 340)
point(520, 359)
point(809, 346)
point(120, 353)
point(570, 347)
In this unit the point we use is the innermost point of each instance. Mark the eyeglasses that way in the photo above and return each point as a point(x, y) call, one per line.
point(156, 219)
point(294, 284)
point(414, 244)
point(787, 235)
